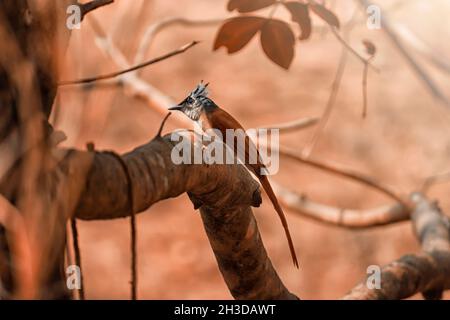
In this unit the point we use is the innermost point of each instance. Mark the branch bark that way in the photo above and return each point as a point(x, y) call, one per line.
point(428, 271)
point(347, 218)
point(224, 193)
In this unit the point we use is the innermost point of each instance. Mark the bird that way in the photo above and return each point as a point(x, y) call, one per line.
point(202, 110)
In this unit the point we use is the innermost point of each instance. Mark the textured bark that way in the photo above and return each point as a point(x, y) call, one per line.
point(93, 185)
point(427, 272)
point(346, 218)
point(224, 193)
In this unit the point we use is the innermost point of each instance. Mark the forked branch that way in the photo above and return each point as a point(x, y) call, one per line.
point(427, 272)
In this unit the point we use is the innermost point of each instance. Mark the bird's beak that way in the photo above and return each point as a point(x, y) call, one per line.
point(176, 108)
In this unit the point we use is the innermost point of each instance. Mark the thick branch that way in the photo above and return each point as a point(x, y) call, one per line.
point(427, 272)
point(225, 194)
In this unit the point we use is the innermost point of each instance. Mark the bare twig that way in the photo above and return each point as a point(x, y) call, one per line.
point(133, 84)
point(93, 5)
point(335, 87)
point(161, 127)
point(351, 50)
point(77, 253)
point(330, 103)
point(364, 87)
point(436, 179)
point(358, 177)
point(132, 213)
point(134, 68)
point(294, 125)
point(347, 218)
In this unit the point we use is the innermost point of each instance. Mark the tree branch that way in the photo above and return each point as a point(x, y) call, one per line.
point(134, 85)
point(224, 193)
point(134, 68)
point(345, 173)
point(365, 61)
point(427, 272)
point(347, 218)
point(93, 5)
point(294, 125)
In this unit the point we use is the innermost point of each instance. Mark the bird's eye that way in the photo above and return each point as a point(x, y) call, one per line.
point(189, 100)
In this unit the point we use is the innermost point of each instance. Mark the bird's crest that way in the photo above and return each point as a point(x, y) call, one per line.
point(200, 91)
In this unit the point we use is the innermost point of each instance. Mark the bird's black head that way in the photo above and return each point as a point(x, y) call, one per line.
point(194, 104)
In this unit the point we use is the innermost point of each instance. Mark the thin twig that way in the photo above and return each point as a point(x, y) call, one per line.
point(351, 50)
point(161, 127)
point(93, 5)
point(294, 125)
point(77, 252)
point(436, 179)
point(330, 103)
point(136, 87)
point(355, 176)
point(133, 231)
point(134, 68)
point(334, 89)
point(364, 87)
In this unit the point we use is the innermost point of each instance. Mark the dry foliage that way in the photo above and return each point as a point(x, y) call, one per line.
point(277, 37)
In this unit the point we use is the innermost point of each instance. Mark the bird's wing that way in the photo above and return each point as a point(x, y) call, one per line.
point(222, 120)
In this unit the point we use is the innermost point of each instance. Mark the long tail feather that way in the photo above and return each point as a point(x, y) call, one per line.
point(268, 188)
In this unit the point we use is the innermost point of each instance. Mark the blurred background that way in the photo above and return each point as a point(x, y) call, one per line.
point(404, 139)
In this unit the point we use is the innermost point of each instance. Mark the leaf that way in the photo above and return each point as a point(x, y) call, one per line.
point(236, 33)
point(278, 41)
point(371, 49)
point(328, 16)
point(244, 6)
point(300, 14)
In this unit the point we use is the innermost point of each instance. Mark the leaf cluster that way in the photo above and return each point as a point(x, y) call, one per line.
point(277, 37)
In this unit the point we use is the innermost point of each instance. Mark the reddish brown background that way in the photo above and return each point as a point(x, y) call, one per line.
point(404, 139)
